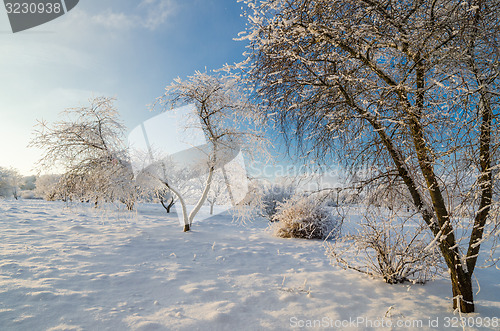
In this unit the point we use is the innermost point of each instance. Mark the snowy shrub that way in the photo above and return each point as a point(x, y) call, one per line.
point(305, 218)
point(387, 246)
point(273, 196)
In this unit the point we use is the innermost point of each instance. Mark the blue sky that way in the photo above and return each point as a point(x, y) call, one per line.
point(127, 49)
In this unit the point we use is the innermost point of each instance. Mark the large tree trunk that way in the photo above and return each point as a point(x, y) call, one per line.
point(463, 296)
point(461, 280)
point(460, 277)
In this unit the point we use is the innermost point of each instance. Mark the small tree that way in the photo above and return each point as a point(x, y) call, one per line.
point(166, 199)
point(150, 180)
point(219, 106)
point(10, 182)
point(89, 145)
point(47, 187)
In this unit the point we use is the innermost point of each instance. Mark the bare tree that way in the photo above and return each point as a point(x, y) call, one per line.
point(148, 182)
point(183, 178)
point(165, 196)
point(407, 90)
point(220, 106)
point(89, 145)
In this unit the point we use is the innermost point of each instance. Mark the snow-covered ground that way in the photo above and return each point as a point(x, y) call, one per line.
point(72, 267)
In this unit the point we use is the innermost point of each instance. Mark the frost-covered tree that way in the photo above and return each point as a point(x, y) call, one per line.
point(406, 89)
point(151, 178)
point(220, 106)
point(10, 182)
point(89, 144)
point(46, 187)
point(166, 198)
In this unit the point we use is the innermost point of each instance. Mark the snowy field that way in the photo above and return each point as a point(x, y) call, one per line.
point(71, 267)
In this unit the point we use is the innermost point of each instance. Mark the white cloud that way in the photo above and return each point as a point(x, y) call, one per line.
point(157, 12)
point(149, 14)
point(112, 20)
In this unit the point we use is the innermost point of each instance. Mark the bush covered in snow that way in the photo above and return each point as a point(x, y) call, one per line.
point(272, 196)
point(304, 217)
point(389, 246)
